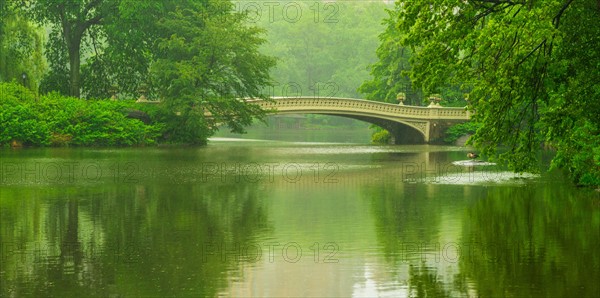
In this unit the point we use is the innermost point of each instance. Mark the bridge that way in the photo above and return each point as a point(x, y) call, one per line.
point(406, 124)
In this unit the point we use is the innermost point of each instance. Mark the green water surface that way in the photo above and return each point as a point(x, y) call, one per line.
point(264, 218)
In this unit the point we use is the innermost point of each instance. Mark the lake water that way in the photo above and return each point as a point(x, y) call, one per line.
point(280, 218)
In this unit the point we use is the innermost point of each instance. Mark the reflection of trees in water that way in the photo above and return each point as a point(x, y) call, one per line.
point(133, 240)
point(535, 241)
point(42, 251)
point(424, 282)
point(539, 240)
point(404, 216)
point(407, 223)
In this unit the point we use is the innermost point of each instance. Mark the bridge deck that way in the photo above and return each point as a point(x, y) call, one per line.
point(360, 106)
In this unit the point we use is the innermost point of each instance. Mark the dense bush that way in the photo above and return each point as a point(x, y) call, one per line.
point(20, 125)
point(459, 130)
point(575, 153)
point(380, 135)
point(19, 122)
point(61, 121)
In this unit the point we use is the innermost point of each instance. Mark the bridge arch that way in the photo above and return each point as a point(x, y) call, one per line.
point(401, 132)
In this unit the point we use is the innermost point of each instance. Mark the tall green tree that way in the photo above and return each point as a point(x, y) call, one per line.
point(532, 69)
point(207, 62)
point(121, 50)
point(71, 22)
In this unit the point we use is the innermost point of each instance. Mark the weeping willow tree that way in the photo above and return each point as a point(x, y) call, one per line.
point(21, 56)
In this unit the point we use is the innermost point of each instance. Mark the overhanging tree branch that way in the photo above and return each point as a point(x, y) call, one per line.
point(531, 53)
point(556, 20)
point(93, 21)
point(90, 5)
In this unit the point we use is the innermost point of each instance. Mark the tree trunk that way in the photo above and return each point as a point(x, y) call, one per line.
point(73, 17)
point(74, 66)
point(73, 33)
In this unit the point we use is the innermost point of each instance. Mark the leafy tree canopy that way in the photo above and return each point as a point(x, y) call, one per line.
point(390, 74)
point(72, 23)
point(532, 70)
point(207, 62)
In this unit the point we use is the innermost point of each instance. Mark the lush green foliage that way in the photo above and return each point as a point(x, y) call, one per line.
point(459, 130)
point(207, 60)
point(20, 48)
point(61, 121)
point(389, 76)
point(579, 153)
point(72, 23)
point(380, 135)
point(199, 57)
point(19, 120)
point(390, 72)
point(532, 70)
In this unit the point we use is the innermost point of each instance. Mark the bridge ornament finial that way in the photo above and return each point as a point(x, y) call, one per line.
point(142, 90)
point(401, 96)
point(434, 100)
point(113, 90)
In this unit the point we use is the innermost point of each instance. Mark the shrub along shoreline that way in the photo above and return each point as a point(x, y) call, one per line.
point(56, 120)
